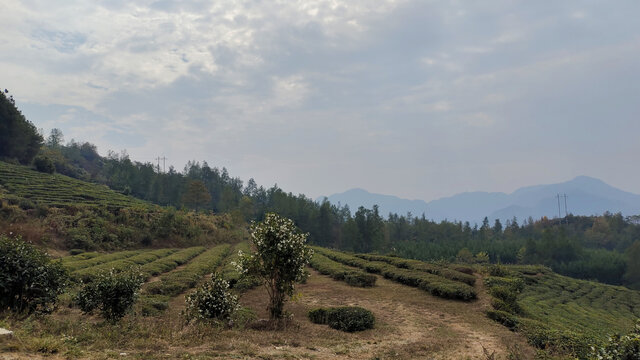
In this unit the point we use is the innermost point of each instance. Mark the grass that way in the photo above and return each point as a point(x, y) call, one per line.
point(59, 190)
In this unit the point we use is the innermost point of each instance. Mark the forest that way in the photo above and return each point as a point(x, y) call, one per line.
point(596, 247)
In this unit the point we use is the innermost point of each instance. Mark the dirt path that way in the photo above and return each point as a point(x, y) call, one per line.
point(410, 324)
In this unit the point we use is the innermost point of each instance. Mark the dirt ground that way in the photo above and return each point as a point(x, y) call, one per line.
point(410, 324)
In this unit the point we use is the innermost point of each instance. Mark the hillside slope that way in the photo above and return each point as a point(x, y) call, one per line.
point(59, 190)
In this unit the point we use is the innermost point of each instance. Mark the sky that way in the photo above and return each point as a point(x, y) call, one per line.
point(418, 99)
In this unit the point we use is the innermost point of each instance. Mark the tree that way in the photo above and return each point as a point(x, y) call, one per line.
point(19, 138)
point(55, 138)
point(197, 195)
point(632, 275)
point(279, 261)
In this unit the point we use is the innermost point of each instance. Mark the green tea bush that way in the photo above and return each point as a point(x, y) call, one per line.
point(87, 274)
point(211, 301)
point(434, 284)
point(340, 272)
point(178, 281)
point(29, 280)
point(619, 347)
point(505, 299)
point(318, 316)
point(111, 293)
point(503, 318)
point(350, 319)
point(346, 318)
point(451, 274)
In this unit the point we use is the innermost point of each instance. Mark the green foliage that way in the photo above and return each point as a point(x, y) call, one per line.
point(319, 316)
point(435, 269)
point(619, 347)
point(340, 272)
point(60, 190)
point(434, 284)
point(505, 318)
point(44, 164)
point(558, 313)
point(230, 271)
point(346, 318)
point(81, 262)
point(187, 277)
point(19, 138)
point(196, 196)
point(111, 293)
point(171, 262)
point(144, 257)
point(29, 280)
point(211, 301)
point(279, 260)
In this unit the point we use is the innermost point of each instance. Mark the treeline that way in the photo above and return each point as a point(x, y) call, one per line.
point(602, 248)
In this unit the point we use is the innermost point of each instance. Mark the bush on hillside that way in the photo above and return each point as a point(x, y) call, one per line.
point(112, 294)
point(29, 280)
point(44, 164)
point(211, 301)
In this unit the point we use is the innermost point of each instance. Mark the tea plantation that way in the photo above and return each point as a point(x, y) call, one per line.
point(59, 190)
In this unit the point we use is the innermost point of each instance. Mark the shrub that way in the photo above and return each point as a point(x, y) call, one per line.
point(341, 272)
point(346, 318)
point(44, 164)
point(29, 280)
point(212, 301)
point(503, 318)
point(350, 319)
point(619, 347)
point(318, 316)
point(113, 294)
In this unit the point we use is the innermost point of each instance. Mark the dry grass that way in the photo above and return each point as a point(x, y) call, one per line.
point(410, 325)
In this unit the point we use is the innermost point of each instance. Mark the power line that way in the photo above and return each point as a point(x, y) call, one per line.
point(164, 164)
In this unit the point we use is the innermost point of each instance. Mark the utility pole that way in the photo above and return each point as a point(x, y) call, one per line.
point(566, 212)
point(559, 214)
point(164, 170)
point(164, 164)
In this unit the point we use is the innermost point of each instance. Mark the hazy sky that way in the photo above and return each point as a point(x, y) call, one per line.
point(420, 99)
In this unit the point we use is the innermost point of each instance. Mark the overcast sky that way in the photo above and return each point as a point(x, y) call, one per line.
point(419, 99)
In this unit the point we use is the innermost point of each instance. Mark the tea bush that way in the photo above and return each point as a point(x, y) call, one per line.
point(619, 347)
point(340, 272)
point(211, 301)
point(111, 293)
point(346, 318)
point(29, 280)
point(434, 284)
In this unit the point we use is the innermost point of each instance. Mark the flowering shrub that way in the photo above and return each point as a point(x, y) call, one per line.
point(211, 301)
point(281, 255)
point(29, 280)
point(112, 293)
point(626, 347)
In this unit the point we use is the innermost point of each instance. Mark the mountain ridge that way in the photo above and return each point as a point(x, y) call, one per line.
point(585, 196)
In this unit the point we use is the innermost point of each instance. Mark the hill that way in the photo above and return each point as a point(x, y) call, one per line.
point(58, 190)
point(63, 213)
point(585, 196)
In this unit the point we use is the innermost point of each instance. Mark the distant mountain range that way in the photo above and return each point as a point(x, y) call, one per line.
point(585, 196)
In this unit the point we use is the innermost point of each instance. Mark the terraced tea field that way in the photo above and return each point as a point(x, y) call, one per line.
point(417, 305)
point(59, 190)
point(584, 307)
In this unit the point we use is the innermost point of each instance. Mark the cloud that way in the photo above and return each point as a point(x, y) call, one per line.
point(322, 95)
